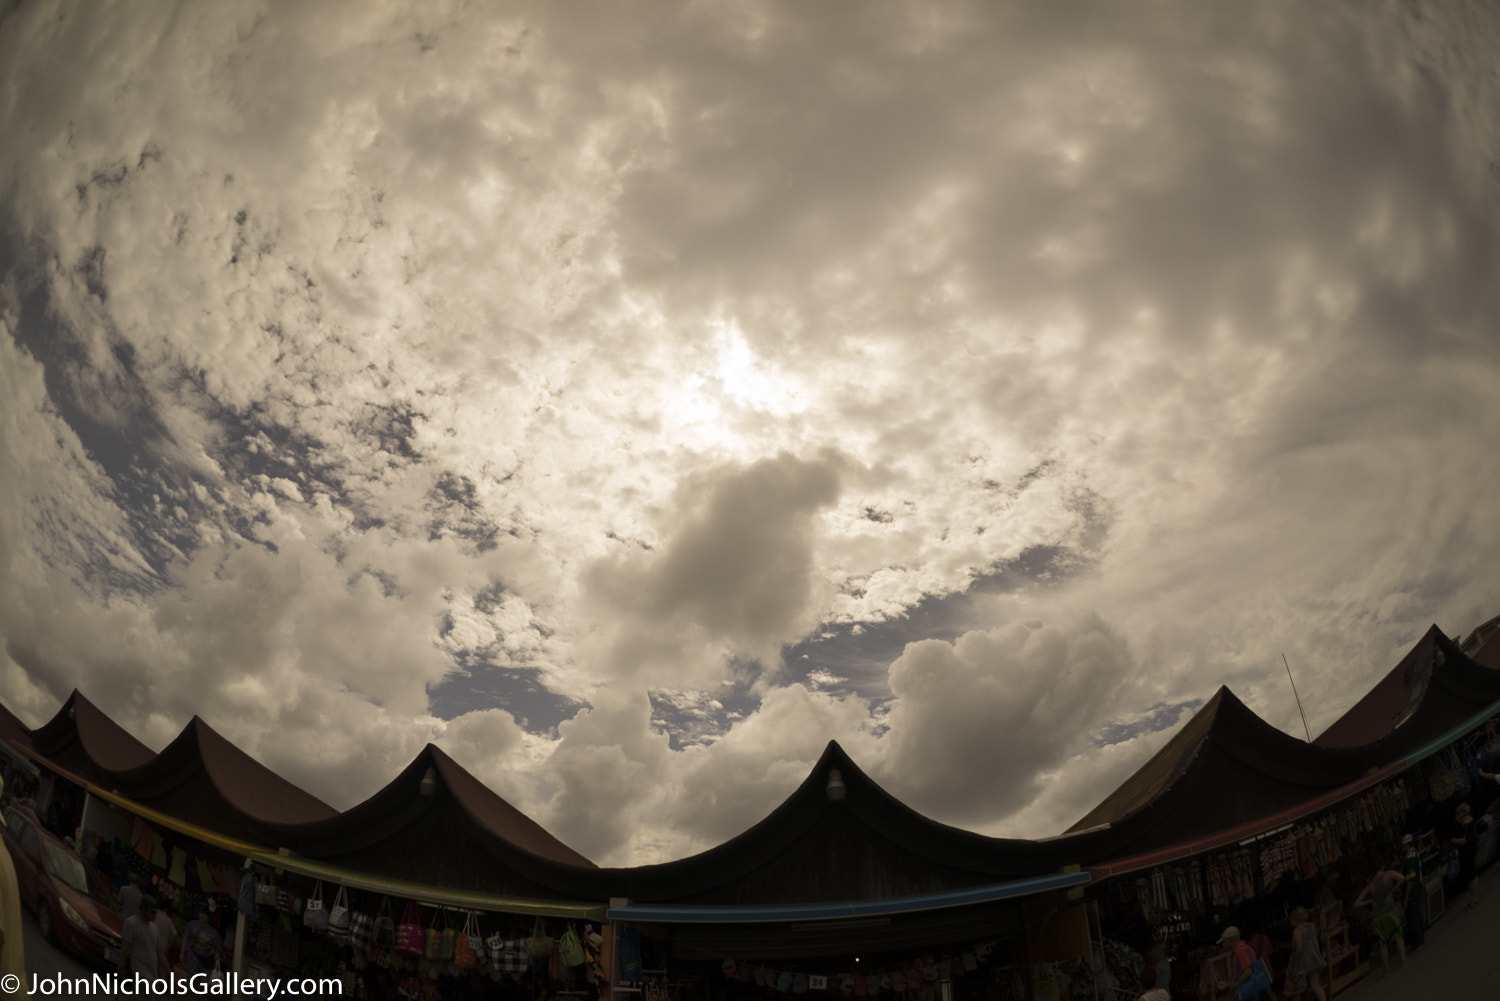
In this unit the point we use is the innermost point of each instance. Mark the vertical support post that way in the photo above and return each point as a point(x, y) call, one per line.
point(239, 930)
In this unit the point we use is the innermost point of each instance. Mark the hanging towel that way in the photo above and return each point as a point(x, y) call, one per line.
point(143, 838)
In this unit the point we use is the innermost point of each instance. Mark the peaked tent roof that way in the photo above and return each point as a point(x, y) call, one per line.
point(894, 878)
point(813, 848)
point(81, 738)
point(1226, 768)
point(204, 779)
point(1434, 688)
point(462, 836)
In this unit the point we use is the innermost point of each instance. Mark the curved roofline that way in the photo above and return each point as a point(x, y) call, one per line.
point(97, 735)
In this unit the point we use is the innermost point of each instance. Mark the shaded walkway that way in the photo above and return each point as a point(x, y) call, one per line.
point(1459, 959)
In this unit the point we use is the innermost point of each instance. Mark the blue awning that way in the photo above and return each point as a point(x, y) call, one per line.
point(716, 914)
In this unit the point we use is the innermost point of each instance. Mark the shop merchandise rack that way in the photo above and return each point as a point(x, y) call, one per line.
point(1344, 963)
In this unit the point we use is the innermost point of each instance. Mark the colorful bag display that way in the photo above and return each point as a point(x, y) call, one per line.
point(410, 939)
point(339, 921)
point(463, 947)
point(440, 941)
point(314, 915)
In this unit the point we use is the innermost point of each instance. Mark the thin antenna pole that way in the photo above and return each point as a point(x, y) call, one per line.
point(1297, 697)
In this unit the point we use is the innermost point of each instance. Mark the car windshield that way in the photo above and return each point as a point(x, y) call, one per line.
point(68, 868)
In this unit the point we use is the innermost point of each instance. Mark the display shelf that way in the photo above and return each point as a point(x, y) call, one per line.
point(1221, 969)
point(1433, 899)
point(1344, 964)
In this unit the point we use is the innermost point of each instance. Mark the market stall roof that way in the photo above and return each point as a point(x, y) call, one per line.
point(463, 835)
point(425, 893)
point(839, 837)
point(1433, 688)
point(436, 823)
point(1226, 742)
point(1226, 768)
point(203, 778)
point(1483, 644)
point(82, 738)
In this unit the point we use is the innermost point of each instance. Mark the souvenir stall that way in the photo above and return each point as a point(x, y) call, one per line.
point(960, 970)
point(1183, 905)
point(389, 940)
point(186, 875)
point(1015, 941)
point(651, 967)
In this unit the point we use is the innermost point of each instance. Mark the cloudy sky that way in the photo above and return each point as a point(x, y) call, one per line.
point(632, 398)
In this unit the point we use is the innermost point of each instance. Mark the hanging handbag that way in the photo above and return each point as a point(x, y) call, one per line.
point(1440, 784)
point(1260, 980)
point(361, 930)
point(410, 940)
point(265, 893)
point(569, 949)
point(440, 942)
point(463, 946)
point(383, 929)
point(507, 955)
point(339, 921)
point(314, 915)
point(540, 944)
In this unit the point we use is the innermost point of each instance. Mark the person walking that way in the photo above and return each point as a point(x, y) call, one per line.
point(1161, 969)
point(1414, 931)
point(1380, 894)
point(1305, 965)
point(1242, 965)
point(202, 945)
point(130, 896)
point(140, 950)
point(1465, 841)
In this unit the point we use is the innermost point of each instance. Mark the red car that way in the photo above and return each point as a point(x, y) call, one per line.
point(72, 906)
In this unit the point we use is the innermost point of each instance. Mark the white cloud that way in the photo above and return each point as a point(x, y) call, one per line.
point(977, 723)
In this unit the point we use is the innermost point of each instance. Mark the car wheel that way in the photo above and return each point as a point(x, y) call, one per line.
point(45, 924)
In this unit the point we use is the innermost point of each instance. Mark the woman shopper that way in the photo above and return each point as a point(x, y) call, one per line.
point(1380, 894)
point(1304, 969)
point(1465, 841)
